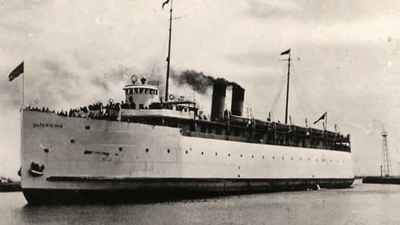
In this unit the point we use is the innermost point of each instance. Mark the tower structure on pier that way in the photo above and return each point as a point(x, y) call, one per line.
point(386, 164)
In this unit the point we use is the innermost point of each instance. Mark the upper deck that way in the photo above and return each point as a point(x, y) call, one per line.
point(144, 105)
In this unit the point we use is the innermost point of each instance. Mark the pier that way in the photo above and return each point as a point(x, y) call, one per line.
point(381, 180)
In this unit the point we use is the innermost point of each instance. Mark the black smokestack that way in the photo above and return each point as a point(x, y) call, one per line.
point(218, 99)
point(237, 99)
point(201, 83)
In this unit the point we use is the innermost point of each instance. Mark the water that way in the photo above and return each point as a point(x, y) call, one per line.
point(365, 204)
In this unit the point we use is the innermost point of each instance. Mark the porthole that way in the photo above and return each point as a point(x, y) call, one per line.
point(72, 141)
point(46, 150)
point(202, 153)
point(168, 151)
point(147, 150)
point(120, 149)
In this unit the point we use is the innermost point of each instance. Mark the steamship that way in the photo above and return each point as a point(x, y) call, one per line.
point(147, 147)
point(151, 147)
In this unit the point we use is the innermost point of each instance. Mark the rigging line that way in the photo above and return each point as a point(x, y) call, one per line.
point(293, 93)
point(295, 96)
point(278, 95)
point(152, 70)
point(394, 146)
point(301, 98)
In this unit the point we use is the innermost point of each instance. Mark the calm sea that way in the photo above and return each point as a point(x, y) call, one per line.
point(364, 204)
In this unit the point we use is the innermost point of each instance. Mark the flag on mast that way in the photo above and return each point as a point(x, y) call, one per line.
point(321, 118)
point(16, 72)
point(166, 2)
point(286, 52)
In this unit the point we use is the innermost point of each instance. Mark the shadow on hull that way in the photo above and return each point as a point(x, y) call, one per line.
point(167, 190)
point(10, 187)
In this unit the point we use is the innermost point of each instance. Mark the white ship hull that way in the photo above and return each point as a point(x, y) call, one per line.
point(86, 157)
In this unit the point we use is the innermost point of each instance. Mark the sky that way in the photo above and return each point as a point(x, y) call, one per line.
point(346, 60)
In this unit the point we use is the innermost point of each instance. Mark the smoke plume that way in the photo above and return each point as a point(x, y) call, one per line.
point(113, 77)
point(198, 81)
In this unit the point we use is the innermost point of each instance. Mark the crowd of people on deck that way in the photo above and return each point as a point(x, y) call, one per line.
point(38, 109)
point(93, 111)
point(109, 111)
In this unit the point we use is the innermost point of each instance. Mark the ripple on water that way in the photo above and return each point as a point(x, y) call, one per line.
point(365, 204)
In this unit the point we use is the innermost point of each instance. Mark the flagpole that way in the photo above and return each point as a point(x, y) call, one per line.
point(326, 121)
point(287, 89)
point(169, 51)
point(23, 92)
point(21, 145)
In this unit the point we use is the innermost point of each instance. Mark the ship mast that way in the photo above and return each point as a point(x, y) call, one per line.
point(169, 51)
point(287, 88)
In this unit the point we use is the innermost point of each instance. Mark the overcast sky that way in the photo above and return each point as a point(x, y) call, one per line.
point(346, 59)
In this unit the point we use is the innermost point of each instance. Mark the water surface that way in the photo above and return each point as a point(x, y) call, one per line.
point(365, 204)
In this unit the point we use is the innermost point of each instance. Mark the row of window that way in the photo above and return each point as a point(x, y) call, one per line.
point(263, 157)
point(141, 91)
point(147, 150)
point(271, 138)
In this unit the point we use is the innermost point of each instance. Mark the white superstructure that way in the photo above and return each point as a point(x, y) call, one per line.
point(61, 153)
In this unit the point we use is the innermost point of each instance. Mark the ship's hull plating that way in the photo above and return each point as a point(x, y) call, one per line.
point(153, 190)
point(86, 160)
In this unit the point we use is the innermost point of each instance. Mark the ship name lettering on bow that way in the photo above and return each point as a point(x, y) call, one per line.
point(50, 125)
